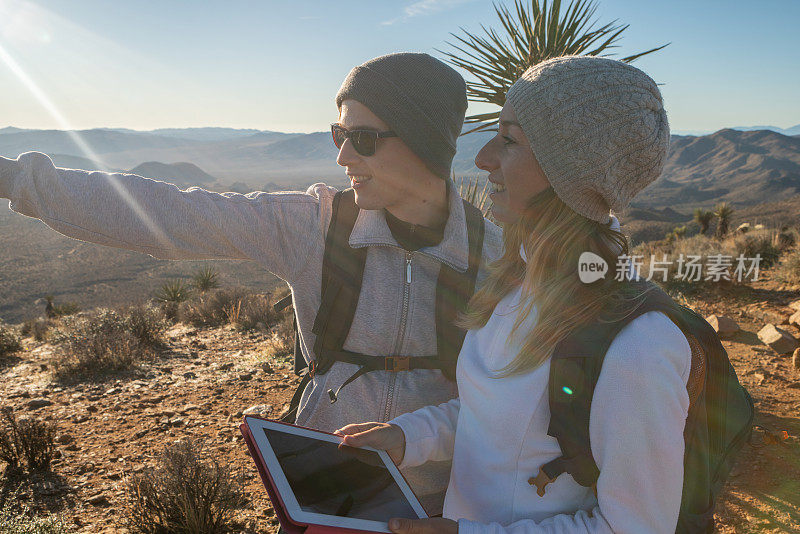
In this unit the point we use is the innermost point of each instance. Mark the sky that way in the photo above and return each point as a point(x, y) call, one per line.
point(276, 65)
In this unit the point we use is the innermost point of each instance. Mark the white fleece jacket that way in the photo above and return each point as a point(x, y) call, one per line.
point(496, 434)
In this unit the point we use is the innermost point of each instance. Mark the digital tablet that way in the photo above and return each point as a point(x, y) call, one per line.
point(319, 483)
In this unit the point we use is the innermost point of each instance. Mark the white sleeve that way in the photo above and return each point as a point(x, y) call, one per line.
point(636, 428)
point(127, 211)
point(430, 433)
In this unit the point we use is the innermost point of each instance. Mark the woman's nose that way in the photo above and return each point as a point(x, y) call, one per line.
point(485, 160)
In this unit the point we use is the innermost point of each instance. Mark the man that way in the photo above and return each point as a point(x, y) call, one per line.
point(399, 118)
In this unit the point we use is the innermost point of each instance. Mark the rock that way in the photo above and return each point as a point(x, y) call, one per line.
point(244, 377)
point(193, 354)
point(796, 359)
point(189, 374)
point(97, 500)
point(795, 319)
point(38, 403)
point(64, 439)
point(778, 339)
point(225, 366)
point(794, 385)
point(267, 368)
point(795, 305)
point(177, 421)
point(724, 325)
point(113, 391)
point(759, 378)
point(190, 407)
point(262, 410)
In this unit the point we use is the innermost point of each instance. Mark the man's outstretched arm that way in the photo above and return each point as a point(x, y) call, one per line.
point(278, 230)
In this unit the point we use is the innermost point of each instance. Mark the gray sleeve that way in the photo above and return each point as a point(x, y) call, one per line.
point(281, 231)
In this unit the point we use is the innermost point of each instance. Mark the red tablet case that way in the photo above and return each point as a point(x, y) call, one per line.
point(288, 525)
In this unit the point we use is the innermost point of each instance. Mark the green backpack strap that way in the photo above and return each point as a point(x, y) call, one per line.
point(453, 291)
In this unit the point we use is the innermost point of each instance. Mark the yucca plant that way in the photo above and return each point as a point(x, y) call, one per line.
point(471, 191)
point(703, 218)
point(723, 212)
point(529, 35)
point(173, 291)
point(205, 279)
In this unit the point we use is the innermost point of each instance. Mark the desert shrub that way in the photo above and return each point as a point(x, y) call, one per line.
point(789, 268)
point(53, 310)
point(17, 518)
point(761, 242)
point(205, 279)
point(147, 322)
point(36, 328)
point(9, 340)
point(787, 239)
point(234, 306)
point(108, 342)
point(251, 310)
point(183, 494)
point(26, 439)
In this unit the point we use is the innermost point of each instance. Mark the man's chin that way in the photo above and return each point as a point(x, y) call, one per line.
point(366, 201)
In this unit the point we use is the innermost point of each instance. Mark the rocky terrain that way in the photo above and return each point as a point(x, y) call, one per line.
point(199, 387)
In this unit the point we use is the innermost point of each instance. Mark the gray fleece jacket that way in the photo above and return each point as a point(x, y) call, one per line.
point(285, 233)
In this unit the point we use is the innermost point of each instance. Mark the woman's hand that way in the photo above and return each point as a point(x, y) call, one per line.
point(383, 436)
point(433, 525)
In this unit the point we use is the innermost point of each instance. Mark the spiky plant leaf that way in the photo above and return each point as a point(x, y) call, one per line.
point(528, 35)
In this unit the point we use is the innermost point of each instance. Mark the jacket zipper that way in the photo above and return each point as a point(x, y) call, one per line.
point(401, 335)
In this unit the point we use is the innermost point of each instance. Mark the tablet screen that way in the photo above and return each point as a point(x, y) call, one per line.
point(345, 482)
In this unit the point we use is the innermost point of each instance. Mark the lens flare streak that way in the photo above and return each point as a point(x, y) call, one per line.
point(84, 147)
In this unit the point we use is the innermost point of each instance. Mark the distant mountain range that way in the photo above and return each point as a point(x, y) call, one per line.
point(741, 166)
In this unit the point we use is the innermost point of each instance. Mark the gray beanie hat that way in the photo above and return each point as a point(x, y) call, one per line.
point(421, 99)
point(597, 127)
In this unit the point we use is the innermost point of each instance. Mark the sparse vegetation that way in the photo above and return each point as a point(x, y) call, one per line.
point(703, 218)
point(17, 518)
point(236, 306)
point(9, 340)
point(53, 310)
point(789, 268)
point(723, 212)
point(205, 279)
point(26, 439)
point(174, 291)
point(108, 342)
point(36, 328)
point(761, 242)
point(183, 494)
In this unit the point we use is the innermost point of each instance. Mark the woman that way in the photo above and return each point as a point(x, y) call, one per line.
point(578, 137)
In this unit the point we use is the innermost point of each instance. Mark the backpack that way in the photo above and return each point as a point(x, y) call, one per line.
point(342, 272)
point(720, 415)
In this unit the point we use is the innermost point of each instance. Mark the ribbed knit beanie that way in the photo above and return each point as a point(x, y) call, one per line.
point(421, 99)
point(597, 127)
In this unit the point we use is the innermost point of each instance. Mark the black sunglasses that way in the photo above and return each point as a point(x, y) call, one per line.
point(364, 141)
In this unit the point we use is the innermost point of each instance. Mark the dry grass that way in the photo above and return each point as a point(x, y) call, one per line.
point(183, 494)
point(108, 342)
point(26, 439)
point(9, 340)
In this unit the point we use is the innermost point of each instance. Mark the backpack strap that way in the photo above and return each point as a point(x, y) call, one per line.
point(342, 274)
point(453, 291)
point(574, 369)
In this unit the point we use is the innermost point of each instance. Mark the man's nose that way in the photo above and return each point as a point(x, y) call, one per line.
point(486, 160)
point(347, 154)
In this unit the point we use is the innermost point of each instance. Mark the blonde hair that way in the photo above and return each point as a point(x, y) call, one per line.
point(553, 237)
